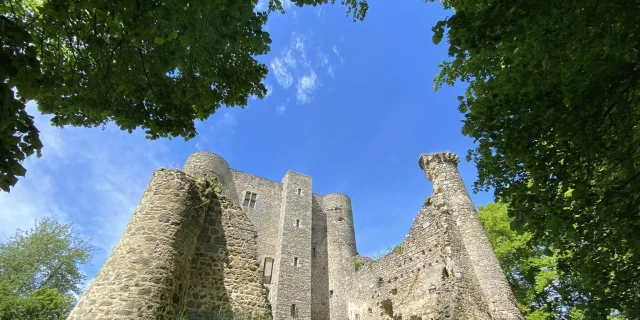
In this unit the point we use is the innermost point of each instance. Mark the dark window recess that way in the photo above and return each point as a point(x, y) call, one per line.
point(299, 191)
point(295, 261)
point(313, 252)
point(294, 312)
point(298, 223)
point(268, 268)
point(250, 199)
point(331, 292)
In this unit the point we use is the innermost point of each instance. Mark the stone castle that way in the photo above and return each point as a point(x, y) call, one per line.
point(213, 239)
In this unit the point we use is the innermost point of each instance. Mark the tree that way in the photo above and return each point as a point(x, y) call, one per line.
point(530, 269)
point(156, 65)
point(39, 271)
point(553, 104)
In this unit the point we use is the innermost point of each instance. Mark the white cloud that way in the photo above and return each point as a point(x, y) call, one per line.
point(330, 72)
point(288, 58)
point(298, 40)
point(282, 74)
point(282, 107)
point(260, 5)
point(269, 90)
point(286, 4)
point(93, 178)
point(335, 50)
point(306, 87)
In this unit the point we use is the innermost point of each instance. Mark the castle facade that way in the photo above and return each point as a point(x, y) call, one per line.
point(213, 239)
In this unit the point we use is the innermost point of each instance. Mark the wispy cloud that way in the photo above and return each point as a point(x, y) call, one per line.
point(93, 178)
point(335, 50)
point(260, 6)
point(282, 107)
point(306, 87)
point(294, 62)
point(282, 74)
point(269, 90)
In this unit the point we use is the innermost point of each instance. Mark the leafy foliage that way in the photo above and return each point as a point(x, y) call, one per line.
point(156, 65)
point(39, 271)
point(553, 104)
point(531, 272)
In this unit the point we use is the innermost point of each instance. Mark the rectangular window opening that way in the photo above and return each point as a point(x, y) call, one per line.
point(313, 252)
point(298, 223)
point(249, 199)
point(268, 269)
point(293, 311)
point(299, 191)
point(295, 261)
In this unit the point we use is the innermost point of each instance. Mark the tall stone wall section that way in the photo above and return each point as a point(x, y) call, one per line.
point(224, 269)
point(341, 248)
point(319, 261)
point(442, 169)
point(146, 275)
point(186, 248)
point(293, 264)
point(265, 215)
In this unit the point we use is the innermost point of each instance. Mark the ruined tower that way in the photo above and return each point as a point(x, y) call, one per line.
point(213, 239)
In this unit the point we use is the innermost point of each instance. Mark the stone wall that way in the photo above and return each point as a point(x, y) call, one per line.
point(341, 248)
point(146, 275)
point(442, 169)
point(319, 262)
point(427, 276)
point(266, 214)
point(224, 269)
point(292, 266)
point(186, 248)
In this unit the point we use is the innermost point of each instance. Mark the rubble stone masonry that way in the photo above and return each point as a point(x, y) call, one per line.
point(214, 239)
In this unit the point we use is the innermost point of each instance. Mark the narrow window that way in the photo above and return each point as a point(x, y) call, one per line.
point(295, 261)
point(298, 223)
point(313, 252)
point(331, 292)
point(293, 311)
point(268, 268)
point(250, 199)
point(299, 191)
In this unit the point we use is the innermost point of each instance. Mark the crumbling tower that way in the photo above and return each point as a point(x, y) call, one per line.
point(442, 169)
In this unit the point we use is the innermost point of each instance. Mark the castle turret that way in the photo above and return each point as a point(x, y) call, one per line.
point(291, 298)
point(145, 275)
point(211, 165)
point(442, 169)
point(341, 250)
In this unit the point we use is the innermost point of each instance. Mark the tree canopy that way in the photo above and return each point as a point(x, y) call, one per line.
point(39, 271)
point(553, 104)
point(156, 65)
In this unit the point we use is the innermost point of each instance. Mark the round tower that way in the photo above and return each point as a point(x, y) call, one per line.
point(210, 165)
point(341, 250)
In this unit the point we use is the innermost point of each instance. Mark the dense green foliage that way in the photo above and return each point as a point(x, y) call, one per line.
point(156, 65)
point(530, 269)
point(39, 271)
point(553, 103)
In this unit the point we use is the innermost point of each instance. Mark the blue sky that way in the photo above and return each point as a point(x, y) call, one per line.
point(350, 104)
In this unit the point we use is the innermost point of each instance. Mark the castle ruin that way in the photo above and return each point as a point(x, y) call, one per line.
point(213, 239)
